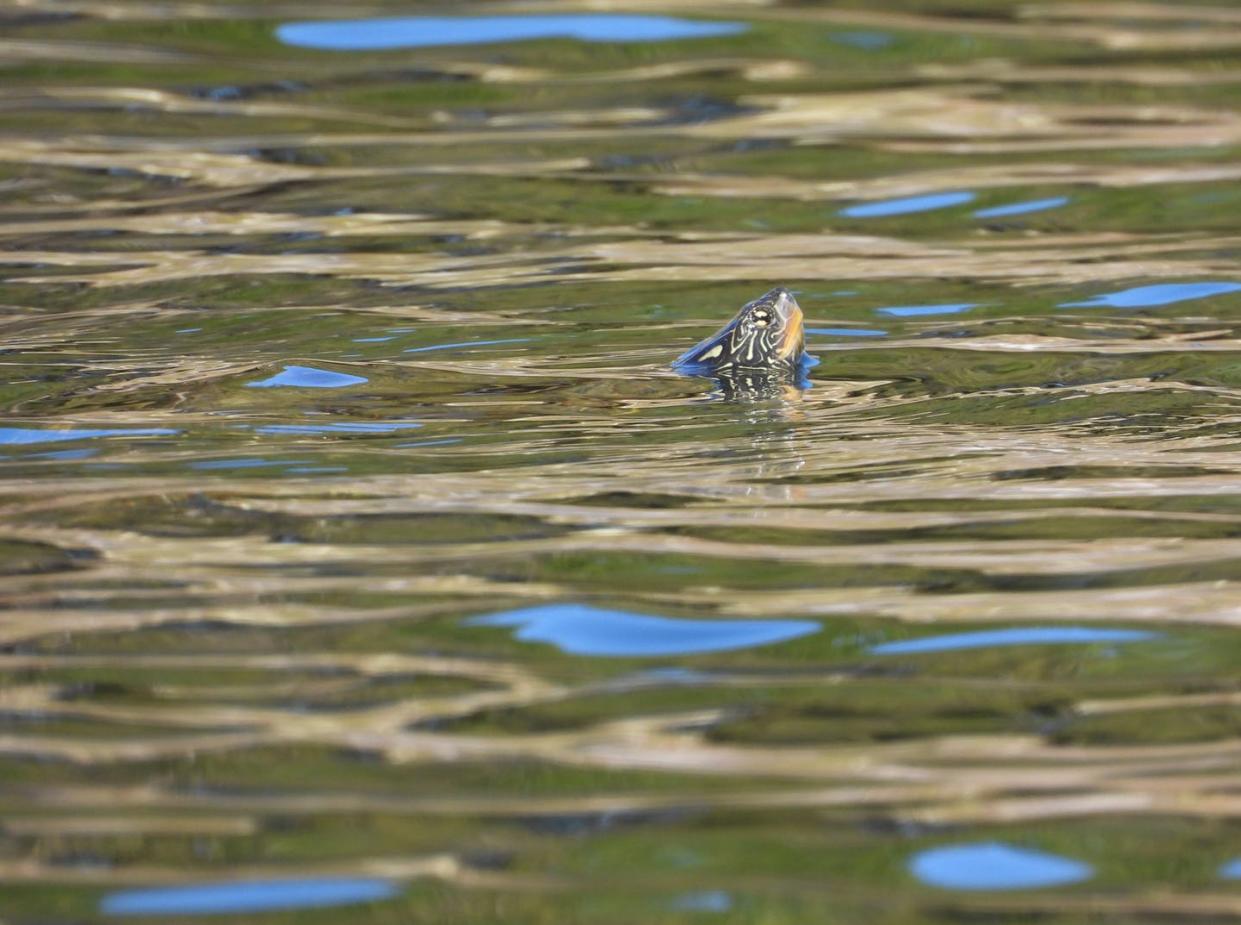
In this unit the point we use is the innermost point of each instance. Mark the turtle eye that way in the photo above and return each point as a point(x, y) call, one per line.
point(761, 319)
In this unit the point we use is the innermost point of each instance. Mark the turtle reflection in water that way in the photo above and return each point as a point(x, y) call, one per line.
point(761, 353)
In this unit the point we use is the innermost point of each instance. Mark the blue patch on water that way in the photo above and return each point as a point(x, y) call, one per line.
point(907, 205)
point(20, 436)
point(1150, 296)
point(706, 901)
point(307, 377)
point(249, 896)
point(429, 31)
point(995, 866)
point(373, 340)
point(1017, 636)
point(1231, 870)
point(187, 330)
point(917, 311)
point(344, 427)
point(249, 462)
point(868, 41)
point(582, 630)
point(1021, 208)
point(848, 332)
point(467, 343)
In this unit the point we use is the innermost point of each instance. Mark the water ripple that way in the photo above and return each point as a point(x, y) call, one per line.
point(502, 617)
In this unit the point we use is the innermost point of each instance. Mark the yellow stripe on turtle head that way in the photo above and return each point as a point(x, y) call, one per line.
point(794, 329)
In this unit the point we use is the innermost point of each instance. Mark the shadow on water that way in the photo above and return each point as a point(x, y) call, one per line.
point(362, 547)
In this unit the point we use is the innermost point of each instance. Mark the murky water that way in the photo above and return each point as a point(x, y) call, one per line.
point(363, 559)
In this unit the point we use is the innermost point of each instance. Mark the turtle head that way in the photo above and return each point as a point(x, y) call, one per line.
point(767, 334)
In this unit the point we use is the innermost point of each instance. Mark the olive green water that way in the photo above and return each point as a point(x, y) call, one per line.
point(234, 641)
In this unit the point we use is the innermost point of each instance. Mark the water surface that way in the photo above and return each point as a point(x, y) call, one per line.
point(363, 559)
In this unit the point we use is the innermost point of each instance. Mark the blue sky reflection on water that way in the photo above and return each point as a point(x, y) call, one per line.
point(343, 427)
point(582, 630)
point(1156, 295)
point(1014, 636)
point(66, 455)
point(431, 31)
point(466, 343)
point(249, 896)
point(907, 205)
point(918, 311)
point(22, 436)
point(1022, 208)
point(995, 866)
point(307, 377)
point(705, 901)
point(246, 462)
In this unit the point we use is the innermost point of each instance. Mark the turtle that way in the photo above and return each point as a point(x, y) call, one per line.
point(760, 353)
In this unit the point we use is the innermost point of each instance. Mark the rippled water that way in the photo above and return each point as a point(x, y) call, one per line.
point(364, 560)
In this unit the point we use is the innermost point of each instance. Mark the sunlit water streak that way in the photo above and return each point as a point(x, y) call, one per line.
point(361, 548)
